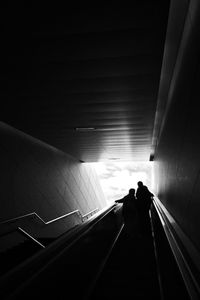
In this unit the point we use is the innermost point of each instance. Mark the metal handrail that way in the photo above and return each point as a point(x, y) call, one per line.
point(30, 237)
point(90, 213)
point(178, 248)
point(51, 221)
point(15, 279)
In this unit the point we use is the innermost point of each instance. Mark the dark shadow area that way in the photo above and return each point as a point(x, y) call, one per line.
point(130, 272)
point(14, 250)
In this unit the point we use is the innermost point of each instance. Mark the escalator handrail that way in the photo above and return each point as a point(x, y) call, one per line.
point(186, 254)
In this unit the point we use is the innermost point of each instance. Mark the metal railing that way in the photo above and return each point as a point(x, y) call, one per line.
point(82, 217)
point(15, 279)
point(29, 236)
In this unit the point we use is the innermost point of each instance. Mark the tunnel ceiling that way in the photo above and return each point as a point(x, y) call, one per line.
point(85, 79)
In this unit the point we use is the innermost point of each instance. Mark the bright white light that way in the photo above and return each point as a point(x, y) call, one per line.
point(117, 178)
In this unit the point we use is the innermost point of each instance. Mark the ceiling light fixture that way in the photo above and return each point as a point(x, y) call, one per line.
point(84, 128)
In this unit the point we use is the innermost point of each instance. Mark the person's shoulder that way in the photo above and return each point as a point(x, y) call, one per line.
point(150, 193)
point(146, 188)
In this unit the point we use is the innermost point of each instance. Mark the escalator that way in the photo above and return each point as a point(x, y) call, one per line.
point(130, 272)
point(100, 261)
point(143, 267)
point(103, 263)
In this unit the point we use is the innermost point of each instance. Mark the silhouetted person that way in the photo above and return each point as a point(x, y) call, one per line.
point(130, 214)
point(144, 199)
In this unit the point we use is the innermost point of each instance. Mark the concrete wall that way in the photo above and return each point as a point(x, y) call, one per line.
point(35, 177)
point(177, 157)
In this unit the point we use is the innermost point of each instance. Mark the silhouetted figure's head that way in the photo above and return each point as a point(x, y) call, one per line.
point(132, 192)
point(140, 184)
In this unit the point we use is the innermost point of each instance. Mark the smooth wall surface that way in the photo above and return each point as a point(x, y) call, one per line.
point(35, 177)
point(177, 158)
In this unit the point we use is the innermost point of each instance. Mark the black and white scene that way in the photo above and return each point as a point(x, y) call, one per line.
point(100, 150)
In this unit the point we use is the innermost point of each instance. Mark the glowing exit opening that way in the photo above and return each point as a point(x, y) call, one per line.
point(116, 178)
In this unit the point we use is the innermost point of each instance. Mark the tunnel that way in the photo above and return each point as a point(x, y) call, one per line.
point(97, 82)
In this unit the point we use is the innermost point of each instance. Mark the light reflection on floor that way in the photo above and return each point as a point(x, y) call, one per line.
point(117, 178)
